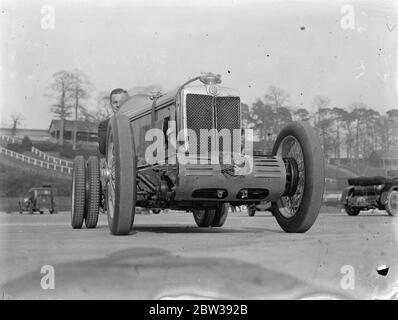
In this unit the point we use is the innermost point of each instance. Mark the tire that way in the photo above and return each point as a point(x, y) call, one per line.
point(392, 203)
point(351, 211)
point(156, 211)
point(204, 218)
point(78, 192)
point(344, 199)
point(311, 178)
point(41, 212)
point(93, 192)
point(220, 215)
point(251, 211)
point(121, 190)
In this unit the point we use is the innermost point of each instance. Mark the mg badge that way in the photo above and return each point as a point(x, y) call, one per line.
point(213, 90)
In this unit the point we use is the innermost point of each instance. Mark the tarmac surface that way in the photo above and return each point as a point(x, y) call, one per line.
point(168, 257)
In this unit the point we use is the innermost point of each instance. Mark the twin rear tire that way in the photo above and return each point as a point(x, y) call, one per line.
point(121, 183)
point(93, 192)
point(85, 192)
point(78, 192)
point(211, 217)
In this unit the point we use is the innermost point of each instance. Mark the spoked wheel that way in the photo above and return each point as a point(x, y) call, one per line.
point(204, 217)
point(78, 192)
point(299, 147)
point(93, 192)
point(220, 215)
point(392, 203)
point(121, 170)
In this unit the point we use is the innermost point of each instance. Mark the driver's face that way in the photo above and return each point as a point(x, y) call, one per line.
point(116, 101)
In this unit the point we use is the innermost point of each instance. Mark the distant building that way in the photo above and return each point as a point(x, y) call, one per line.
point(34, 135)
point(87, 132)
point(387, 160)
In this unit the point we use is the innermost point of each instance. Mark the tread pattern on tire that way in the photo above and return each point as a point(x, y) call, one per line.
point(79, 193)
point(125, 172)
point(314, 178)
point(220, 215)
point(388, 208)
point(251, 212)
point(93, 192)
point(204, 218)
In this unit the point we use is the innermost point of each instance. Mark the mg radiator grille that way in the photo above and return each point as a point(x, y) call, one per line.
point(207, 112)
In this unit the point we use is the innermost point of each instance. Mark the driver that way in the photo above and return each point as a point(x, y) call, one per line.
point(117, 97)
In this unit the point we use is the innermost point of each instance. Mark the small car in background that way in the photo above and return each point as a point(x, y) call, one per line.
point(39, 199)
point(366, 193)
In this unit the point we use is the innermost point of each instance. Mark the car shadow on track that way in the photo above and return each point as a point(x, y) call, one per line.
point(194, 229)
point(156, 273)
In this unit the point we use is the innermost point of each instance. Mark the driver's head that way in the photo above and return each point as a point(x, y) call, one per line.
point(117, 97)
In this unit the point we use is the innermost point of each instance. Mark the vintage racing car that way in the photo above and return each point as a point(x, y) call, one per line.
point(181, 176)
point(40, 199)
point(366, 193)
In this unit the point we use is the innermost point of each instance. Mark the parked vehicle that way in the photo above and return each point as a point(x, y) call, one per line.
point(366, 193)
point(39, 199)
point(291, 177)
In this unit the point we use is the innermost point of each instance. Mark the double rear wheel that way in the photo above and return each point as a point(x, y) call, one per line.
point(85, 192)
point(211, 217)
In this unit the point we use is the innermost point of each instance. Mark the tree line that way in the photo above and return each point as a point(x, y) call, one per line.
point(70, 91)
point(351, 132)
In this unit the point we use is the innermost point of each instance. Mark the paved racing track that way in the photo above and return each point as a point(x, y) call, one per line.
point(167, 256)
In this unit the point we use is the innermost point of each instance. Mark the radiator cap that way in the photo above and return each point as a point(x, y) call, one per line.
point(210, 78)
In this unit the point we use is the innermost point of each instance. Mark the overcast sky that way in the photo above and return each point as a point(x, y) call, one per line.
point(299, 46)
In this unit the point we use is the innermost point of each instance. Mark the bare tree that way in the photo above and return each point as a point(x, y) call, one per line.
point(302, 114)
point(80, 89)
point(60, 90)
point(104, 110)
point(277, 98)
point(323, 121)
point(16, 122)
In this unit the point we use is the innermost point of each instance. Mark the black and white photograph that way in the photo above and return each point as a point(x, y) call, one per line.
point(228, 150)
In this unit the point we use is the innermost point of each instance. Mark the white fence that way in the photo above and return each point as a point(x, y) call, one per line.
point(47, 157)
point(36, 162)
point(10, 139)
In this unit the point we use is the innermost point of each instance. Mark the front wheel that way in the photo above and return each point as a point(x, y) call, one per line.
point(251, 211)
point(204, 217)
point(121, 166)
point(392, 203)
point(220, 215)
point(299, 147)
